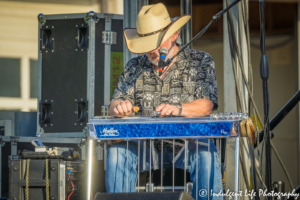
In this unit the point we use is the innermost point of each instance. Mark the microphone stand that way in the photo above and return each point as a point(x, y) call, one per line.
point(264, 74)
point(214, 18)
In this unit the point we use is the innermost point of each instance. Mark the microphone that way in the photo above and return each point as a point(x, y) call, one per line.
point(163, 52)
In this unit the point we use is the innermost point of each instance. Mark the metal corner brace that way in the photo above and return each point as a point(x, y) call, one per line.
point(109, 37)
point(82, 146)
point(14, 151)
point(90, 15)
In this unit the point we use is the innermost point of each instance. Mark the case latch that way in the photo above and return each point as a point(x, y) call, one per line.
point(109, 37)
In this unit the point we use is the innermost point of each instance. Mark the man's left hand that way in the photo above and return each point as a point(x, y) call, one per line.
point(167, 109)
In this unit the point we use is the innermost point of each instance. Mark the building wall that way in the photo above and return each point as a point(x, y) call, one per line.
point(19, 45)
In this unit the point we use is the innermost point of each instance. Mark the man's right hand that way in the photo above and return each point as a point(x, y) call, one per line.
point(122, 108)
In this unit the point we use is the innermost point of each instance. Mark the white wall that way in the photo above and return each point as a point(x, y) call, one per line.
point(19, 38)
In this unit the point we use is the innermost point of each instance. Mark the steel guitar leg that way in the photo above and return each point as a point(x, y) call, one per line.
point(173, 171)
point(185, 162)
point(150, 185)
point(220, 153)
point(162, 164)
point(154, 157)
point(144, 155)
point(138, 179)
point(127, 166)
point(105, 154)
point(236, 176)
point(89, 174)
point(150, 164)
point(197, 160)
point(209, 171)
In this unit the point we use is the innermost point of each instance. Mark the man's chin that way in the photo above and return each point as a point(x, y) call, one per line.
point(154, 62)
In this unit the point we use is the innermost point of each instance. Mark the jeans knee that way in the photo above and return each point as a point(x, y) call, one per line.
point(112, 156)
point(115, 153)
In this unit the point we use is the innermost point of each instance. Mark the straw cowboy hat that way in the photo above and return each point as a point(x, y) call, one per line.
point(153, 27)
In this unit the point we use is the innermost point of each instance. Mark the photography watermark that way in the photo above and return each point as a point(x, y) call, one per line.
point(202, 192)
point(251, 194)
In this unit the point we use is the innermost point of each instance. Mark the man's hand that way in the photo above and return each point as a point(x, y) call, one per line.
point(123, 108)
point(167, 109)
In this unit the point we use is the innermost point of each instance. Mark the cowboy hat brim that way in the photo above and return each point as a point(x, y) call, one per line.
point(145, 44)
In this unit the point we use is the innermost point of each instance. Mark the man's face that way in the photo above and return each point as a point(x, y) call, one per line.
point(154, 55)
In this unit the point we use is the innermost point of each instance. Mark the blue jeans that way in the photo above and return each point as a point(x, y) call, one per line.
point(208, 167)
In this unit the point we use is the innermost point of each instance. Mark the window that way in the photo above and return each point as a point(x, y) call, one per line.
point(33, 78)
point(10, 77)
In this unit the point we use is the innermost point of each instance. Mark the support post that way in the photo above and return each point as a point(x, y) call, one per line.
point(186, 32)
point(131, 10)
point(230, 94)
point(1, 142)
point(298, 63)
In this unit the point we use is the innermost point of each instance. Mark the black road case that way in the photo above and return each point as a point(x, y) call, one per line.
point(79, 64)
point(58, 180)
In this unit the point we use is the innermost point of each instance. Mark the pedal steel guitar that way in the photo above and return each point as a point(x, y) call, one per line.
point(157, 127)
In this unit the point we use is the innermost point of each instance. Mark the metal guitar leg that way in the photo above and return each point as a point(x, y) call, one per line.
point(236, 171)
point(185, 162)
point(150, 185)
point(138, 179)
point(1, 142)
point(173, 171)
point(105, 154)
point(161, 163)
point(89, 174)
point(144, 155)
point(197, 160)
point(127, 166)
point(209, 172)
point(154, 157)
point(220, 152)
point(150, 163)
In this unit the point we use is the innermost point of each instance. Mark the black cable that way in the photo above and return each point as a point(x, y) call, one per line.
point(233, 50)
point(169, 61)
point(264, 73)
point(280, 115)
point(234, 53)
point(255, 108)
point(214, 18)
point(252, 157)
point(274, 46)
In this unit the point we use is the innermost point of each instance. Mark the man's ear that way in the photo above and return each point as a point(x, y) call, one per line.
point(174, 36)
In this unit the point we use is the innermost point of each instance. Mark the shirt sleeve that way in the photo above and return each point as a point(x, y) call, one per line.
point(206, 83)
point(125, 89)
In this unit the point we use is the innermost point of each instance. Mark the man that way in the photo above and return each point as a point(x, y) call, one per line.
point(186, 88)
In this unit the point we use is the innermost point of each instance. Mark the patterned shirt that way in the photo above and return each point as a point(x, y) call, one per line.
point(191, 77)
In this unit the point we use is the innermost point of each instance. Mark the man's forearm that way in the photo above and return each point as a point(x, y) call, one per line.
point(197, 108)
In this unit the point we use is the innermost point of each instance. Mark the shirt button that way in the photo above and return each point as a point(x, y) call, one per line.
point(165, 89)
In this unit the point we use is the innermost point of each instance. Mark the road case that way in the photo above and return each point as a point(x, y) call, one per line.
point(30, 178)
point(11, 146)
point(79, 64)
